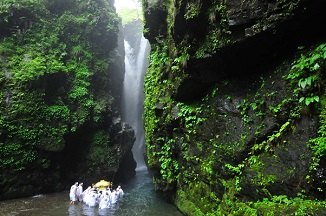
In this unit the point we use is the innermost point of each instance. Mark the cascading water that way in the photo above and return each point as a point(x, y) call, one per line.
point(133, 95)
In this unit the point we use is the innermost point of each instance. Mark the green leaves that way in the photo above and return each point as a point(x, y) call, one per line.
point(128, 15)
point(308, 81)
point(191, 115)
point(318, 144)
point(309, 100)
point(169, 166)
point(15, 156)
point(192, 9)
point(305, 71)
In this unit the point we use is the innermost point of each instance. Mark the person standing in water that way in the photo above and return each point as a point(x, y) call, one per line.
point(72, 194)
point(79, 192)
point(119, 191)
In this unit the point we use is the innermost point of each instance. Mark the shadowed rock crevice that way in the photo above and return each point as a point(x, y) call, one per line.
point(254, 53)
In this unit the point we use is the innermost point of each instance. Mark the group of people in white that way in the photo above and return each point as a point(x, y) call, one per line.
point(93, 197)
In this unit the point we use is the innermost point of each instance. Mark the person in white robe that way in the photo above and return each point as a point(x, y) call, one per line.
point(119, 192)
point(93, 199)
point(114, 196)
point(105, 202)
point(72, 193)
point(79, 192)
point(86, 195)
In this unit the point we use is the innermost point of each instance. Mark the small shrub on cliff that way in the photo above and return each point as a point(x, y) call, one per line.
point(306, 72)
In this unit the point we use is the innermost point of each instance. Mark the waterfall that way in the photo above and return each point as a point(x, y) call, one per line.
point(133, 95)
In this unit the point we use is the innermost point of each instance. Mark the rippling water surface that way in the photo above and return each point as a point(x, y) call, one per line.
point(140, 199)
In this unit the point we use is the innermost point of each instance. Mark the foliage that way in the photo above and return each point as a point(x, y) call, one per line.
point(16, 156)
point(191, 115)
point(278, 205)
point(215, 155)
point(266, 145)
point(306, 71)
point(318, 144)
point(217, 34)
point(192, 9)
point(95, 156)
point(128, 15)
point(50, 54)
point(169, 166)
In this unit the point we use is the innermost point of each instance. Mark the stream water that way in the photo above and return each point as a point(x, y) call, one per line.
point(140, 199)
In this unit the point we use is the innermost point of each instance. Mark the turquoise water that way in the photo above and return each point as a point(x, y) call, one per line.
point(140, 199)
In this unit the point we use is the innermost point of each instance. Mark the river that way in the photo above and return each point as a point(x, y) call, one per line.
point(140, 199)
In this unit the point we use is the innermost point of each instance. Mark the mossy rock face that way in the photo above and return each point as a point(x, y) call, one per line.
point(228, 107)
point(61, 79)
point(285, 171)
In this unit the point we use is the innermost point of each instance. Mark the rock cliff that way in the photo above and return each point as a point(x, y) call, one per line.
point(62, 69)
point(234, 108)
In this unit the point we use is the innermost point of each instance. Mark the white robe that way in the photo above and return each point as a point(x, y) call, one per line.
point(120, 193)
point(114, 197)
point(105, 202)
point(79, 193)
point(72, 194)
point(87, 197)
point(93, 200)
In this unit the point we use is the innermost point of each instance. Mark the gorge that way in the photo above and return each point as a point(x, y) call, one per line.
point(233, 108)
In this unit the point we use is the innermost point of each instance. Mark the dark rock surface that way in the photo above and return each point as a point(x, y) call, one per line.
point(223, 118)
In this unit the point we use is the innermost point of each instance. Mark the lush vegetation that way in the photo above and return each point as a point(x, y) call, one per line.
point(55, 60)
point(252, 145)
point(129, 13)
point(199, 160)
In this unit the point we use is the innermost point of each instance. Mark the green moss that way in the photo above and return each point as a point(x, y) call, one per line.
point(50, 59)
point(186, 206)
point(276, 205)
point(227, 141)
